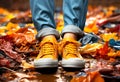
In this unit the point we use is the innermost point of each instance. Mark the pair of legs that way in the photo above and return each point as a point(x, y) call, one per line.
point(74, 21)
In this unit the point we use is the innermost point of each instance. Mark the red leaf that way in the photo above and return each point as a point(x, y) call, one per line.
point(102, 52)
point(7, 47)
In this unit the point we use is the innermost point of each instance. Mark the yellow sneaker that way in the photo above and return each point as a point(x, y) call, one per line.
point(71, 57)
point(48, 55)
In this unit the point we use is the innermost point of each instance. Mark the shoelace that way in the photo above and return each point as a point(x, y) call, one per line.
point(46, 49)
point(71, 48)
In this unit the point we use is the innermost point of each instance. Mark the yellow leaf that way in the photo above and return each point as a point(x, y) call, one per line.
point(108, 36)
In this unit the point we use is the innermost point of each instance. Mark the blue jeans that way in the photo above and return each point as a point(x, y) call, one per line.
point(74, 12)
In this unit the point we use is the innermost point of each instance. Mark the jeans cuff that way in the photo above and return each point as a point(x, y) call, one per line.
point(73, 29)
point(47, 31)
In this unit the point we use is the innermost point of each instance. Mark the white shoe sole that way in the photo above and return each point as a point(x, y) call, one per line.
point(45, 63)
point(73, 63)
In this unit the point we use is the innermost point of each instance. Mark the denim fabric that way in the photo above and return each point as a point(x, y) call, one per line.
point(43, 13)
point(47, 31)
point(75, 12)
point(89, 38)
point(72, 29)
point(114, 44)
point(74, 16)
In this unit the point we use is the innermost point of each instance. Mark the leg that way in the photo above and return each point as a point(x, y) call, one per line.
point(74, 20)
point(74, 16)
point(43, 18)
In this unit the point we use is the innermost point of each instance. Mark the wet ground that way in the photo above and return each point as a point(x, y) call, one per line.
point(38, 75)
point(44, 75)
